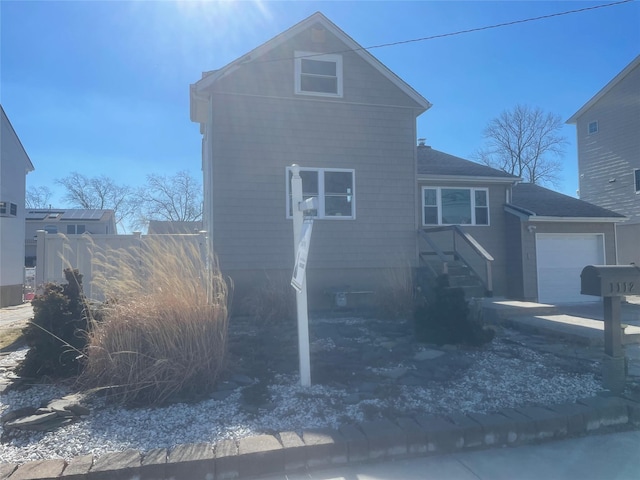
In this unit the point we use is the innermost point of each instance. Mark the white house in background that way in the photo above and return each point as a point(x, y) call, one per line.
point(608, 134)
point(14, 166)
point(68, 221)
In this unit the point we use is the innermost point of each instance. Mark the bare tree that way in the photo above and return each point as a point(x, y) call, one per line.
point(100, 193)
point(38, 197)
point(176, 199)
point(525, 142)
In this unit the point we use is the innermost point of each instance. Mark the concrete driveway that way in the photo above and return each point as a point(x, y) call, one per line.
point(16, 315)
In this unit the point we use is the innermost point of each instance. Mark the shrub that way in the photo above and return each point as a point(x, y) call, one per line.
point(444, 318)
point(397, 297)
point(273, 302)
point(56, 336)
point(164, 325)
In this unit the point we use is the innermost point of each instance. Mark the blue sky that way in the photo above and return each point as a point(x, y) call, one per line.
point(102, 87)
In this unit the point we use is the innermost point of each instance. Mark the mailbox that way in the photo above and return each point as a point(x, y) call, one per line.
point(610, 280)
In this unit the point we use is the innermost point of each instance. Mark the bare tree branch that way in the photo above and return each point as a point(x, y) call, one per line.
point(176, 199)
point(100, 193)
point(38, 197)
point(525, 142)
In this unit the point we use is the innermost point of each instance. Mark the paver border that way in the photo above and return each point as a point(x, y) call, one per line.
point(404, 437)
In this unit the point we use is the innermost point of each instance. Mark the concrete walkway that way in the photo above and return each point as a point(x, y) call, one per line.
point(580, 323)
point(599, 457)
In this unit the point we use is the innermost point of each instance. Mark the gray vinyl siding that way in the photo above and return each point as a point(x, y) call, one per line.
point(272, 75)
point(491, 237)
point(628, 236)
point(256, 138)
point(607, 158)
point(514, 259)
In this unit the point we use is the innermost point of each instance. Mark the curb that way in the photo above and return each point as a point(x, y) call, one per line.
point(289, 452)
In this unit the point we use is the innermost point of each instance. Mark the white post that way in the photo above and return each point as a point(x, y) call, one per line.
point(301, 297)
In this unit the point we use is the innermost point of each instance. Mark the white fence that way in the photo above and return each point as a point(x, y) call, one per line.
point(55, 252)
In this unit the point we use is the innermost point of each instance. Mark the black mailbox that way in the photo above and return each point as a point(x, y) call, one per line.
point(610, 280)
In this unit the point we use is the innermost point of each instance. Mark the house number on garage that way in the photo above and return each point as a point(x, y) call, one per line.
point(622, 287)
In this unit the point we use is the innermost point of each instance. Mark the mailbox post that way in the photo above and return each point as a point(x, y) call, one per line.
point(611, 282)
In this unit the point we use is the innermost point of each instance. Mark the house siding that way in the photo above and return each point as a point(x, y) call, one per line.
point(491, 237)
point(606, 159)
point(258, 127)
point(514, 257)
point(14, 165)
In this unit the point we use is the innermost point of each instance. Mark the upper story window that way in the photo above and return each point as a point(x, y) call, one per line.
point(593, 127)
point(73, 229)
point(335, 189)
point(318, 74)
point(636, 178)
point(455, 206)
point(51, 228)
point(8, 209)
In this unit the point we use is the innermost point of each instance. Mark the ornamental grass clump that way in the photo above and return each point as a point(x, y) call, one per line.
point(163, 327)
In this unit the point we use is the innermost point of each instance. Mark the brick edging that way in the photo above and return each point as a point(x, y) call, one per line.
point(350, 444)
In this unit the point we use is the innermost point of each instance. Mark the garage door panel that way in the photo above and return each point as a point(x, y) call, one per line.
point(560, 260)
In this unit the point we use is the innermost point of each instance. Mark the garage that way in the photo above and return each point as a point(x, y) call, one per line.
point(560, 260)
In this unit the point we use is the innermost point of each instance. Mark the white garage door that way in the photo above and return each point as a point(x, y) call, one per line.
point(561, 258)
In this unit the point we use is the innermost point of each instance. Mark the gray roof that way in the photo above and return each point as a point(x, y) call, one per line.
point(539, 201)
point(68, 214)
point(434, 162)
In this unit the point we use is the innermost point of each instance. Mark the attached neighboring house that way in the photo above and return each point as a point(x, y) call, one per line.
point(14, 167)
point(68, 221)
point(608, 134)
point(314, 97)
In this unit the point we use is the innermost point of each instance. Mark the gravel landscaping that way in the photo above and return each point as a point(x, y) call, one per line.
point(361, 369)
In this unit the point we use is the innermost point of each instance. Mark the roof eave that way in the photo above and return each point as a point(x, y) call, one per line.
point(466, 179)
point(604, 90)
point(206, 82)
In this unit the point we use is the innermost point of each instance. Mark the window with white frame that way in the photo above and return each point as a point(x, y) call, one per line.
point(73, 229)
point(318, 74)
point(8, 209)
point(593, 127)
point(335, 189)
point(636, 178)
point(455, 206)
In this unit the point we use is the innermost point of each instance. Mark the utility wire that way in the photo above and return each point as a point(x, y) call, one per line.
point(460, 32)
point(489, 27)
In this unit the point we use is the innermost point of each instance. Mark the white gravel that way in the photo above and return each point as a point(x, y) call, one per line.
point(497, 380)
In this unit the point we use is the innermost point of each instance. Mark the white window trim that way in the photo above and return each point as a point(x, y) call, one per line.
point(439, 205)
point(325, 57)
point(593, 122)
point(321, 171)
point(636, 171)
point(7, 208)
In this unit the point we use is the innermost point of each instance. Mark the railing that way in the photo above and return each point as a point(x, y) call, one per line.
point(461, 246)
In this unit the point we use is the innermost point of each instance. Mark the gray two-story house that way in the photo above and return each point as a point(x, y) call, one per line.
point(608, 136)
point(312, 96)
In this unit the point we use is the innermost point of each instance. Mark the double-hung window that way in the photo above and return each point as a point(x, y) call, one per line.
point(318, 74)
point(455, 206)
point(334, 188)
